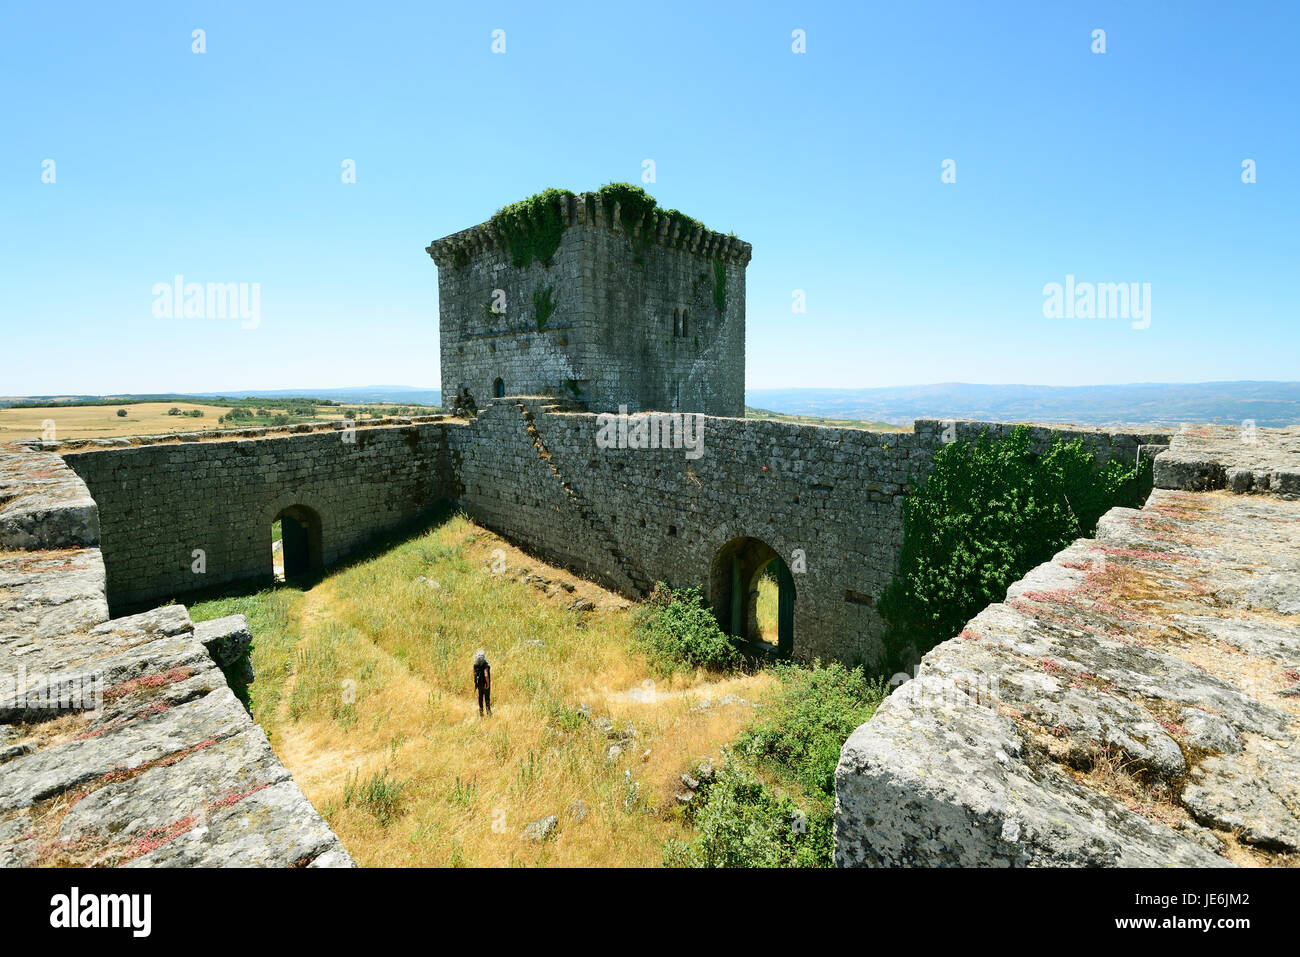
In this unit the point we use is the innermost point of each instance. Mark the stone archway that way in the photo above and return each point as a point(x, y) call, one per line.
point(734, 577)
point(300, 536)
point(499, 388)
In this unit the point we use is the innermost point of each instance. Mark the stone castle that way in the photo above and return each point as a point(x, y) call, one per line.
point(634, 312)
point(650, 318)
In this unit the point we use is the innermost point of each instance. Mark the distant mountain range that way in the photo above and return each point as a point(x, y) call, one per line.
point(1144, 403)
point(357, 395)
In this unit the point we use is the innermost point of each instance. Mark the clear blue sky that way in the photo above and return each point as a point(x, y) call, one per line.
point(225, 167)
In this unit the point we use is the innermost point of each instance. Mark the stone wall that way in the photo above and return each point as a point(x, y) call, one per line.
point(1132, 702)
point(158, 504)
point(827, 500)
point(635, 320)
point(120, 742)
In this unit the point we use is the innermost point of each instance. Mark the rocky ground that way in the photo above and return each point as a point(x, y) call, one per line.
point(120, 741)
point(1134, 701)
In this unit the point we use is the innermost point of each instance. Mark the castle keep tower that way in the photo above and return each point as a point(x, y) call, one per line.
point(599, 297)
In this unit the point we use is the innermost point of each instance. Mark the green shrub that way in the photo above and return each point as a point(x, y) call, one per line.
point(378, 795)
point(533, 227)
point(680, 632)
point(566, 718)
point(987, 514)
point(741, 822)
point(635, 204)
point(799, 735)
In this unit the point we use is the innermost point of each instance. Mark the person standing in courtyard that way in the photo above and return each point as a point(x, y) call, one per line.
point(483, 682)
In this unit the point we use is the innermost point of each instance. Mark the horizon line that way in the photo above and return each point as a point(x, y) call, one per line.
point(306, 392)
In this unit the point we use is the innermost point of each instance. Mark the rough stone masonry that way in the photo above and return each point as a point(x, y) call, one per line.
point(828, 501)
point(120, 742)
point(650, 320)
point(1134, 702)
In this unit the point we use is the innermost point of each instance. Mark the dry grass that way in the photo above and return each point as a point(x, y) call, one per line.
point(364, 684)
point(102, 421)
point(765, 610)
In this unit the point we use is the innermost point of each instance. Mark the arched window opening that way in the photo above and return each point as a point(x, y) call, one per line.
point(296, 543)
point(753, 596)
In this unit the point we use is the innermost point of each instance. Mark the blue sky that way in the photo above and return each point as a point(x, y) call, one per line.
point(226, 167)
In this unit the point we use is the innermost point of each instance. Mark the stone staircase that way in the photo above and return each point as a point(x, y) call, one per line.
point(632, 580)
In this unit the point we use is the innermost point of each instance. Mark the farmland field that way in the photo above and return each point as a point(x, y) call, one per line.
point(102, 421)
point(142, 418)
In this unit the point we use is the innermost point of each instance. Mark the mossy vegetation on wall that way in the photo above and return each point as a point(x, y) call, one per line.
point(638, 206)
point(720, 285)
point(533, 227)
point(544, 306)
point(986, 515)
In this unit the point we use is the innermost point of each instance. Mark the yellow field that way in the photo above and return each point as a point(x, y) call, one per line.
point(364, 685)
point(102, 421)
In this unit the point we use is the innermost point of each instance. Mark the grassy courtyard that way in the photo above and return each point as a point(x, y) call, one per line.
point(364, 686)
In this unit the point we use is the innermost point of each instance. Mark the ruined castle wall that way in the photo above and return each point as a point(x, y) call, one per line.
point(636, 320)
point(478, 345)
point(832, 493)
point(159, 503)
point(507, 486)
point(827, 500)
point(149, 739)
point(655, 338)
point(835, 495)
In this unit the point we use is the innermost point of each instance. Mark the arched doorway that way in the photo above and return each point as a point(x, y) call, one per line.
point(499, 388)
point(299, 552)
point(744, 575)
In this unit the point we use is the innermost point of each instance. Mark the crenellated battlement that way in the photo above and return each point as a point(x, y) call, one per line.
point(593, 210)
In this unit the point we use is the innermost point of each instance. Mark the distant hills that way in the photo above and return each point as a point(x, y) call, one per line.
point(358, 395)
point(1145, 403)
